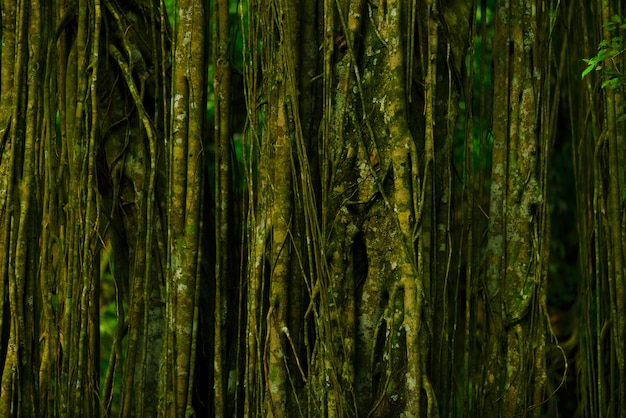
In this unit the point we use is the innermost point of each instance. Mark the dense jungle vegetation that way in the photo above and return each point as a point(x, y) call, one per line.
point(285, 208)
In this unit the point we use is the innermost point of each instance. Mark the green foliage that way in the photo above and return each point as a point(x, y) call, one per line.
point(169, 7)
point(606, 59)
point(608, 50)
point(477, 58)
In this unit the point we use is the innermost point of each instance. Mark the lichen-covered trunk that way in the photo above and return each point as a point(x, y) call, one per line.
point(515, 261)
point(89, 193)
point(599, 151)
point(21, 117)
point(349, 172)
point(185, 200)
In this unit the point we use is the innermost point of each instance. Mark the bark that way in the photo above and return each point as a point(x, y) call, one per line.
point(387, 252)
point(516, 256)
point(598, 156)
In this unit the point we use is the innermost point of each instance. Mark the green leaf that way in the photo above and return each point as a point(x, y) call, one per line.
point(587, 70)
point(603, 54)
point(612, 83)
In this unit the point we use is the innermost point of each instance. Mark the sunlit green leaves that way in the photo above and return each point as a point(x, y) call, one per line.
point(608, 50)
point(607, 59)
point(615, 23)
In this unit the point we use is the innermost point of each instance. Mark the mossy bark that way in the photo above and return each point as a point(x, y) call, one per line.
point(598, 155)
point(350, 208)
point(516, 256)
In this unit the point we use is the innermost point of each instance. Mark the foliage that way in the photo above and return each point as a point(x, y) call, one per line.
point(608, 58)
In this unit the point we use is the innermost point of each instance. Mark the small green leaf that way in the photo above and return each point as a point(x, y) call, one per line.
point(612, 83)
point(603, 54)
point(587, 70)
